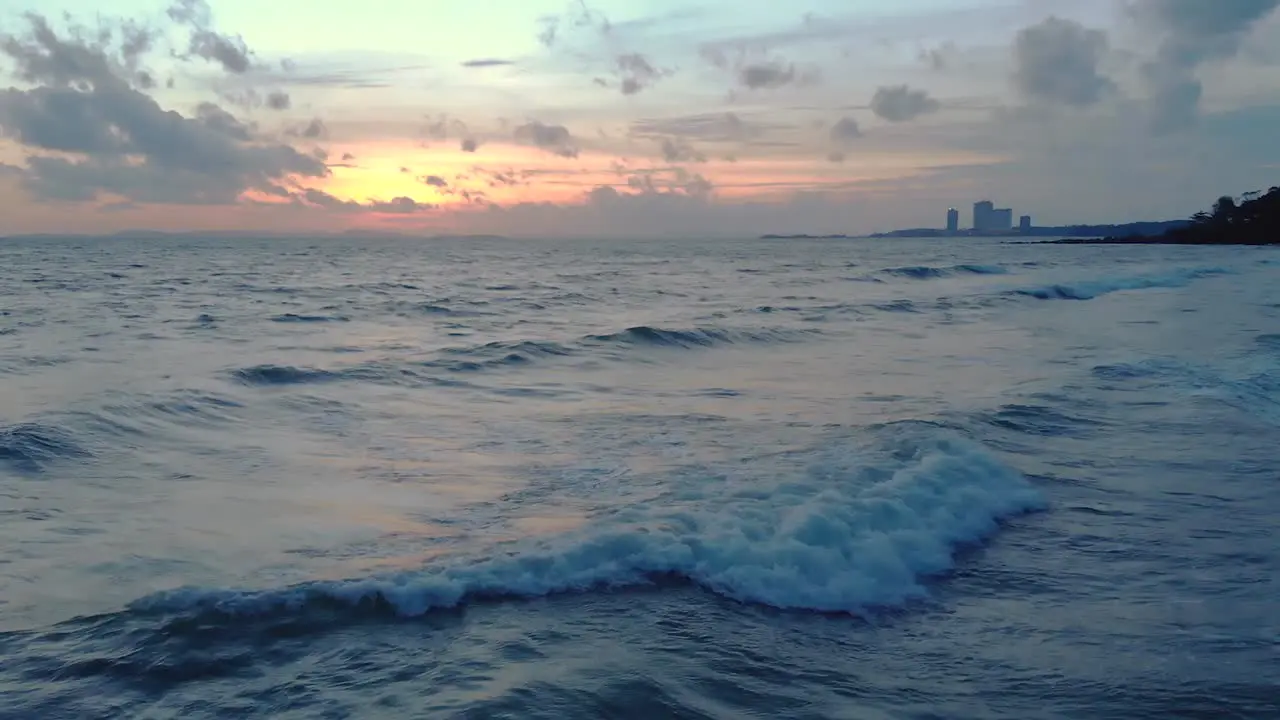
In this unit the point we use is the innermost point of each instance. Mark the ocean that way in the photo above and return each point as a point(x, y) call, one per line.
point(334, 478)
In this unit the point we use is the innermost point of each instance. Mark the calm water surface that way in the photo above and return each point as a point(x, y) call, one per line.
point(696, 479)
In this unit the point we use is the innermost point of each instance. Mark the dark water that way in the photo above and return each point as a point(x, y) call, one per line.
point(828, 479)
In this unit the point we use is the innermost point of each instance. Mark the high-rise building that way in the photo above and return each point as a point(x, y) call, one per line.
point(953, 221)
point(982, 215)
point(1024, 224)
point(1001, 219)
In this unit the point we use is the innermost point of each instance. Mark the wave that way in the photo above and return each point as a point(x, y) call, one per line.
point(294, 318)
point(1254, 393)
point(1041, 420)
point(1090, 289)
point(505, 354)
point(926, 272)
point(644, 335)
point(33, 447)
point(816, 543)
point(285, 375)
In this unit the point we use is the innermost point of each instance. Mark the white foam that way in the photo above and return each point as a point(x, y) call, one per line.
point(818, 544)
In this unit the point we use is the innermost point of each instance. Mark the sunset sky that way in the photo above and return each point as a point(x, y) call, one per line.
point(628, 118)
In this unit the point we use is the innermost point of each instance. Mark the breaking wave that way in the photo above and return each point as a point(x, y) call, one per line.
point(823, 542)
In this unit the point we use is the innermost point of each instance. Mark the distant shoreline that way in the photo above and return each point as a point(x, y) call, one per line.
point(1134, 229)
point(1156, 240)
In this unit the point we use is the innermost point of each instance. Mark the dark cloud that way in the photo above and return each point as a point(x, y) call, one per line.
point(709, 127)
point(352, 79)
point(845, 131)
point(487, 62)
point(579, 16)
point(900, 103)
point(399, 205)
point(348, 157)
point(443, 127)
point(435, 181)
point(229, 51)
point(1057, 61)
point(215, 118)
point(637, 73)
point(1192, 33)
point(498, 178)
point(756, 74)
point(85, 105)
point(44, 58)
point(678, 150)
point(766, 75)
point(552, 138)
point(666, 182)
point(312, 131)
point(279, 100)
point(938, 59)
point(469, 145)
point(405, 170)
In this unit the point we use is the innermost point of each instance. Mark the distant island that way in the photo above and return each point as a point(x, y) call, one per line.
point(1254, 221)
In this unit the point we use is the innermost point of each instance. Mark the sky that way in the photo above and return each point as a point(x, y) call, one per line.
point(621, 118)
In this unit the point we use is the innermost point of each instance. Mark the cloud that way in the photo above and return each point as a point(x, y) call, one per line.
point(487, 62)
point(766, 75)
point(845, 131)
point(687, 209)
point(397, 206)
point(842, 135)
point(1056, 62)
point(278, 100)
point(120, 141)
point(469, 145)
point(900, 103)
point(442, 127)
point(555, 139)
point(230, 52)
point(499, 178)
point(435, 181)
point(677, 150)
point(1192, 33)
point(312, 131)
point(637, 73)
point(726, 127)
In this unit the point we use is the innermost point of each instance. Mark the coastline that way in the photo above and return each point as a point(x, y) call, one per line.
point(1155, 240)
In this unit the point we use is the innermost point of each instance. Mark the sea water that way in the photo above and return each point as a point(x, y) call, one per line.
point(342, 478)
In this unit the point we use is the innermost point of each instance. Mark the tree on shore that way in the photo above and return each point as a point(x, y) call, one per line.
point(1253, 221)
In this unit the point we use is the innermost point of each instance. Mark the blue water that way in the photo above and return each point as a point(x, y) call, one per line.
point(697, 479)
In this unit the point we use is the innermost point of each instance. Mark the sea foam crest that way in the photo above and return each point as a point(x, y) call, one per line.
point(822, 546)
